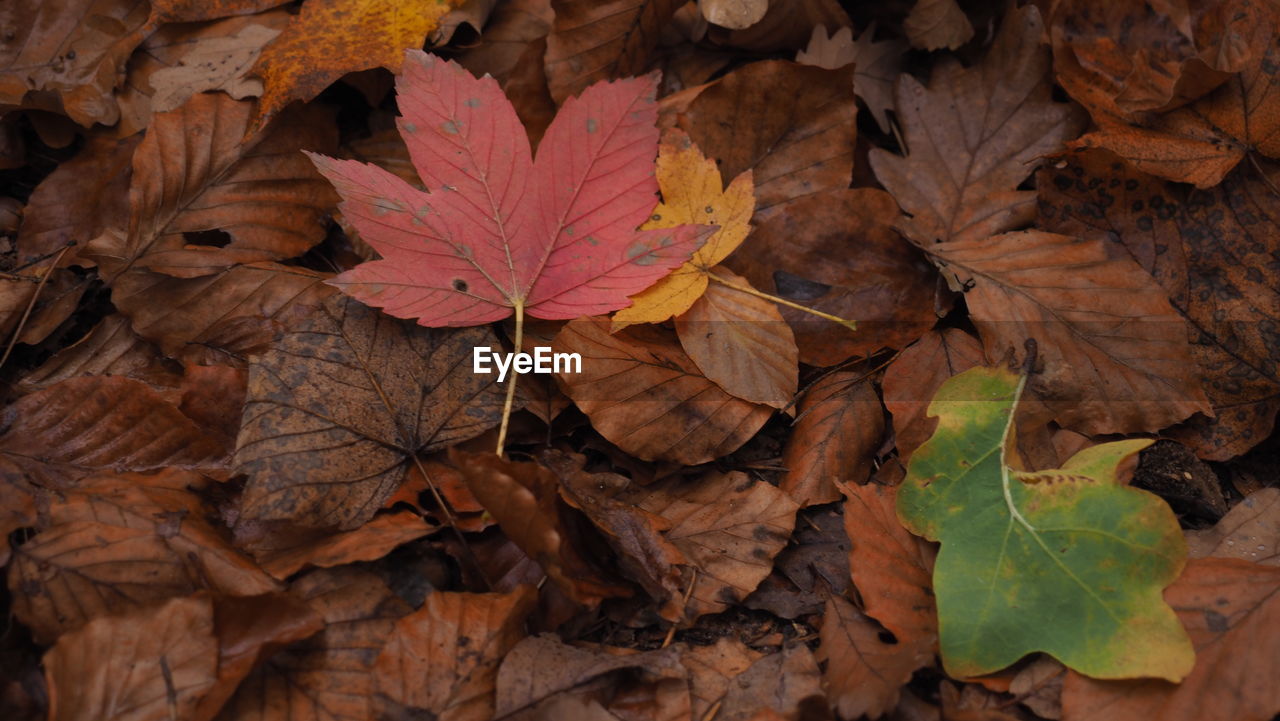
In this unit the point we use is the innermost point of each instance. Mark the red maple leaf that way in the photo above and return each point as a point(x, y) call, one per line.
point(499, 230)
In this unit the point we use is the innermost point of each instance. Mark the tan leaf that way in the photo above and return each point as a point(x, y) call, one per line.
point(443, 659)
point(58, 435)
point(741, 342)
point(369, 542)
point(225, 315)
point(937, 24)
point(1039, 686)
point(728, 526)
point(973, 135)
point(1250, 531)
point(837, 251)
point(712, 670)
point(593, 40)
point(733, 14)
point(864, 674)
point(837, 432)
point(523, 498)
point(777, 683)
point(910, 382)
point(876, 64)
point(328, 676)
point(149, 665)
point(195, 172)
point(344, 390)
point(1231, 609)
point(1114, 352)
point(642, 392)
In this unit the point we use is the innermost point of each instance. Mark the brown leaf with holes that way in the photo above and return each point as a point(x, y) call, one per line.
point(864, 673)
point(443, 658)
point(149, 665)
point(321, 458)
point(838, 429)
point(642, 392)
point(592, 40)
point(1231, 609)
point(197, 173)
point(911, 380)
point(1211, 251)
point(973, 135)
point(796, 143)
point(837, 252)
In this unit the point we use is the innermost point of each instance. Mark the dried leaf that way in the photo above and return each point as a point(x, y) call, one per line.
point(779, 683)
point(325, 457)
point(369, 542)
point(864, 673)
point(149, 665)
point(713, 670)
point(642, 392)
point(835, 438)
point(733, 14)
point(785, 26)
point(1250, 531)
point(592, 41)
point(330, 38)
point(973, 135)
point(876, 64)
point(110, 349)
point(911, 380)
point(443, 659)
point(937, 24)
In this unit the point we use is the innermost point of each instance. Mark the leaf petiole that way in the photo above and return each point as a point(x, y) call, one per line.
point(515, 376)
point(850, 324)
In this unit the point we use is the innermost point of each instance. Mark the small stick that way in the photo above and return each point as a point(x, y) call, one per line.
point(851, 325)
point(515, 375)
point(26, 314)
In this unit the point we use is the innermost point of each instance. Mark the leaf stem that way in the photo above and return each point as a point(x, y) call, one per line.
point(850, 324)
point(515, 376)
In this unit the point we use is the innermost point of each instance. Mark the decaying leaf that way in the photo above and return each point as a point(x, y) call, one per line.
point(838, 428)
point(1065, 561)
point(936, 24)
point(593, 40)
point(643, 393)
point(369, 542)
point(1250, 531)
point(876, 64)
point(910, 382)
point(322, 458)
point(864, 673)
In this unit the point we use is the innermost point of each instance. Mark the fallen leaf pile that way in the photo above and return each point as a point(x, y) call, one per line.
point(913, 360)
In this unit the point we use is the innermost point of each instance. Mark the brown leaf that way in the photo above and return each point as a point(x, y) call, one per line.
point(1201, 142)
point(110, 349)
point(1114, 353)
point(1250, 531)
point(523, 498)
point(937, 24)
point(443, 659)
point(891, 567)
point(221, 317)
point(1038, 686)
point(876, 64)
point(779, 683)
point(58, 435)
point(120, 542)
point(1231, 609)
point(911, 381)
point(329, 676)
point(337, 410)
point(733, 14)
point(71, 50)
point(741, 342)
point(864, 674)
point(512, 50)
point(837, 252)
point(814, 565)
point(150, 665)
point(643, 393)
point(728, 526)
point(837, 432)
point(369, 542)
point(1211, 253)
point(180, 60)
point(785, 26)
point(196, 172)
point(713, 669)
point(592, 40)
point(791, 125)
point(973, 135)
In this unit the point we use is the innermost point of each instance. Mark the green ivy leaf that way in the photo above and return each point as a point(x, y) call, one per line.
point(1066, 561)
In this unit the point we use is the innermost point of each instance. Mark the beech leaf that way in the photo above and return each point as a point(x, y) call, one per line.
point(1064, 561)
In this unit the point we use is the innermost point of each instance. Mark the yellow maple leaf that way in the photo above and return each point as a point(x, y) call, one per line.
point(691, 193)
point(330, 38)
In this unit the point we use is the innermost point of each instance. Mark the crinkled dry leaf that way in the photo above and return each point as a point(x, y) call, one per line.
point(774, 686)
point(196, 172)
point(592, 40)
point(443, 658)
point(876, 64)
point(864, 674)
point(1231, 608)
point(838, 429)
point(149, 665)
point(713, 670)
point(369, 542)
point(911, 380)
point(973, 135)
point(791, 125)
point(1211, 251)
point(341, 404)
point(643, 393)
point(937, 24)
point(110, 349)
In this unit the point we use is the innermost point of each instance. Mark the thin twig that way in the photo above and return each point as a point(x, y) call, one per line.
point(17, 332)
point(515, 375)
